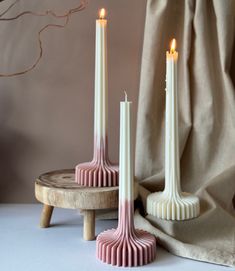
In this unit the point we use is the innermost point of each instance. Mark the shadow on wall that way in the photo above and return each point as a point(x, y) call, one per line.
point(12, 148)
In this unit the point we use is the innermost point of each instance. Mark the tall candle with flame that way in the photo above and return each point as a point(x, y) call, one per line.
point(172, 169)
point(172, 203)
point(101, 84)
point(100, 172)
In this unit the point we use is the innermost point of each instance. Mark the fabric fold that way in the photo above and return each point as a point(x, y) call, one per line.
point(205, 34)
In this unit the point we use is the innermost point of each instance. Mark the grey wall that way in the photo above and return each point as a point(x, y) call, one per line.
point(46, 116)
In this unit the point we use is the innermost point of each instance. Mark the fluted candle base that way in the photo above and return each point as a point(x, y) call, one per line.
point(100, 172)
point(97, 174)
point(126, 246)
point(174, 207)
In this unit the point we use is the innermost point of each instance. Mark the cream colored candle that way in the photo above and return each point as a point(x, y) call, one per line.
point(125, 153)
point(172, 168)
point(101, 84)
point(172, 203)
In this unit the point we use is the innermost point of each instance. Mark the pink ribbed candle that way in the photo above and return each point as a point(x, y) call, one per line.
point(100, 171)
point(126, 246)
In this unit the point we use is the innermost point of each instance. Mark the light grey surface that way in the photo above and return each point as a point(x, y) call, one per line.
point(24, 246)
point(46, 116)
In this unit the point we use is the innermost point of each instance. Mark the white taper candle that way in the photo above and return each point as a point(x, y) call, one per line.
point(172, 168)
point(101, 82)
point(126, 152)
point(172, 203)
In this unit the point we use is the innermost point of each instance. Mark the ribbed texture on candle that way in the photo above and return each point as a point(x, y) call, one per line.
point(126, 246)
point(100, 171)
point(101, 82)
point(172, 168)
point(125, 153)
point(172, 203)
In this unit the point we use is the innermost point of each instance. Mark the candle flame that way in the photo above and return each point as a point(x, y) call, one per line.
point(102, 13)
point(173, 46)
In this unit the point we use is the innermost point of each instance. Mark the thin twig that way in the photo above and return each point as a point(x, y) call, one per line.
point(11, 5)
point(52, 13)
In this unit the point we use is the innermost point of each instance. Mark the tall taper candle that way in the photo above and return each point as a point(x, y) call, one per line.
point(126, 246)
point(101, 84)
point(100, 171)
point(172, 168)
point(126, 176)
point(172, 203)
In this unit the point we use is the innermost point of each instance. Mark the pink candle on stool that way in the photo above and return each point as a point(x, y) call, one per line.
point(100, 171)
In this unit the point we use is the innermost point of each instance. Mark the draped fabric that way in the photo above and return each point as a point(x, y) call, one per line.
point(205, 34)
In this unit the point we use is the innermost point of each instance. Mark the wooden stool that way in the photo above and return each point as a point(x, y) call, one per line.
point(58, 189)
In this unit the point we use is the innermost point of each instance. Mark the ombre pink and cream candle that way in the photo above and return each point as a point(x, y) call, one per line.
point(126, 246)
point(100, 172)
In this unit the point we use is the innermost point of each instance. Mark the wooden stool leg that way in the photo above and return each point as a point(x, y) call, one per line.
point(89, 225)
point(46, 216)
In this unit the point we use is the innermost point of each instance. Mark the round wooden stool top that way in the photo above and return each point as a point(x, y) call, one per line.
point(58, 189)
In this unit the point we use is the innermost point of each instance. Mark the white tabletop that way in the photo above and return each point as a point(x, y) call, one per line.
point(24, 246)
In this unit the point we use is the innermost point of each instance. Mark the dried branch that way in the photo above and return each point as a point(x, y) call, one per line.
point(11, 5)
point(46, 13)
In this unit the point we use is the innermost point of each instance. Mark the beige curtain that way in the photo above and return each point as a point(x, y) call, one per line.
point(205, 34)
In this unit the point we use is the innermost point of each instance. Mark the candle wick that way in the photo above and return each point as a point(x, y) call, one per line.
point(125, 96)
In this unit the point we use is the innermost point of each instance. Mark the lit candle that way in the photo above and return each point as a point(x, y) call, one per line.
point(172, 203)
point(100, 172)
point(172, 169)
point(100, 113)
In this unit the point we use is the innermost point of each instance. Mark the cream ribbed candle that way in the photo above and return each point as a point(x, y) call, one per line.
point(101, 77)
point(125, 153)
point(172, 203)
